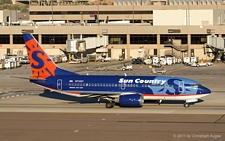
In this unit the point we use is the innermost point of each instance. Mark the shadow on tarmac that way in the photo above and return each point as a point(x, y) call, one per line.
point(73, 99)
point(171, 102)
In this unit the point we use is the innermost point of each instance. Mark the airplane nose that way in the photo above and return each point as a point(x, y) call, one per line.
point(205, 90)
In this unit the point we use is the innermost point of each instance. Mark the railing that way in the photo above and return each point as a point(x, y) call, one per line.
point(179, 48)
point(174, 53)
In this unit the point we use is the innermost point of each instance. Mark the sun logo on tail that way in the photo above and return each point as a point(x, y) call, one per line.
point(41, 65)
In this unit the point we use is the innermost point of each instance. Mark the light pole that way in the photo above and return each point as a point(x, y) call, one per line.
point(188, 14)
point(140, 50)
point(52, 11)
point(133, 10)
point(81, 19)
point(98, 13)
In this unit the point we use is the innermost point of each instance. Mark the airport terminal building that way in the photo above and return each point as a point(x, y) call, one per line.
point(153, 27)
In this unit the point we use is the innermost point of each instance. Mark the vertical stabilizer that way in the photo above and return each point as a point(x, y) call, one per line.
point(41, 64)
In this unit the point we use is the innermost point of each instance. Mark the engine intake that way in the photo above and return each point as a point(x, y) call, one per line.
point(131, 100)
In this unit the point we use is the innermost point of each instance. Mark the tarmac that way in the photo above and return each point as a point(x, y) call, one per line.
point(31, 113)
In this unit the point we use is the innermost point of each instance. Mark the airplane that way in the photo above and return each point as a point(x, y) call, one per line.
point(125, 91)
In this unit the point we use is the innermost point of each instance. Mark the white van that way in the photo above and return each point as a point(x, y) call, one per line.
point(169, 60)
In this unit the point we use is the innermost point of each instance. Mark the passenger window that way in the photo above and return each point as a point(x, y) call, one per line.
point(136, 85)
point(109, 84)
point(119, 85)
point(106, 84)
point(103, 84)
point(115, 85)
point(112, 84)
point(100, 84)
point(86, 84)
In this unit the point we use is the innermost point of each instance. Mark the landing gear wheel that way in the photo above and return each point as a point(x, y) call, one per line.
point(186, 105)
point(109, 104)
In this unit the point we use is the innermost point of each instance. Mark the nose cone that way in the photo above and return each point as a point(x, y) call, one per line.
point(205, 90)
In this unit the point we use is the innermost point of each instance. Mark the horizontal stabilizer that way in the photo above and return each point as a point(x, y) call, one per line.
point(30, 78)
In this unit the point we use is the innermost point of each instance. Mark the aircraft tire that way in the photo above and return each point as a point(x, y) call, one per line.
point(186, 105)
point(109, 104)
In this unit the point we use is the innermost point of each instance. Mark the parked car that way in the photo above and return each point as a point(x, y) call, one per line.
point(78, 61)
point(107, 59)
point(126, 67)
point(24, 60)
point(137, 61)
point(148, 61)
point(205, 64)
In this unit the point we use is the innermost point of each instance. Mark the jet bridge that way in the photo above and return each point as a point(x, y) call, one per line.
point(216, 46)
point(79, 47)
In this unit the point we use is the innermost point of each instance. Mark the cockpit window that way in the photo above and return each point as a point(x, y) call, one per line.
point(195, 85)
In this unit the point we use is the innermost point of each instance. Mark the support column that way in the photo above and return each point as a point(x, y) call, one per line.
point(128, 46)
point(158, 45)
point(189, 44)
point(220, 35)
point(68, 36)
point(40, 38)
point(11, 39)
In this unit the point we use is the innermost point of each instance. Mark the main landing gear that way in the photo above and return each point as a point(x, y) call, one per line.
point(186, 105)
point(110, 104)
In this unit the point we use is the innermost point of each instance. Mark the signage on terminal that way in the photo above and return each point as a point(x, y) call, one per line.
point(27, 31)
point(173, 30)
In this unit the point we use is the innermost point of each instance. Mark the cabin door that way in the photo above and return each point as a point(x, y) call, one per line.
point(59, 84)
point(181, 87)
point(123, 86)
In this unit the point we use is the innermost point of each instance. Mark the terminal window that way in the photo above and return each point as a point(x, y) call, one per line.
point(117, 39)
point(54, 39)
point(166, 37)
point(4, 39)
point(143, 39)
point(198, 38)
point(18, 39)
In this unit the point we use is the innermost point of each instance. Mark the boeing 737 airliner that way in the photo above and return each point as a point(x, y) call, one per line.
point(127, 91)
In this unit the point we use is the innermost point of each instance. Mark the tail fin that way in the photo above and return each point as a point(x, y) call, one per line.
point(41, 65)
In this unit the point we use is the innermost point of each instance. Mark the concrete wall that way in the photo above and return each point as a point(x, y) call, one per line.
point(218, 16)
point(8, 13)
point(2, 52)
point(131, 49)
point(201, 17)
point(1, 16)
point(169, 17)
point(187, 17)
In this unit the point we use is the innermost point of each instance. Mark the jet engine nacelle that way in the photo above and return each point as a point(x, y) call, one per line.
point(131, 100)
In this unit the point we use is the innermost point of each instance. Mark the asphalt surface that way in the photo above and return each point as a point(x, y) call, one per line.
point(29, 113)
